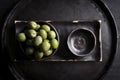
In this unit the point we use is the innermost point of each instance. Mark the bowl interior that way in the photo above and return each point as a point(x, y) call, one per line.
point(81, 42)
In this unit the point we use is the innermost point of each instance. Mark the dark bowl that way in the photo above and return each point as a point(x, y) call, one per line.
point(23, 46)
point(81, 42)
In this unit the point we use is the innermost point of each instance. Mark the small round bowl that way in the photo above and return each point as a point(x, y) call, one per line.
point(81, 42)
point(23, 46)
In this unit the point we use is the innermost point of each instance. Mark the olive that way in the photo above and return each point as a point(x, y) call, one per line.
point(31, 33)
point(38, 27)
point(51, 34)
point(45, 46)
point(46, 27)
point(32, 25)
point(21, 37)
point(46, 40)
point(29, 51)
point(29, 42)
point(54, 43)
point(37, 40)
point(43, 33)
point(39, 55)
point(48, 53)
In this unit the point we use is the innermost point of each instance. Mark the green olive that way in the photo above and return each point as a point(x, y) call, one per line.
point(51, 34)
point(39, 55)
point(29, 42)
point(29, 50)
point(21, 37)
point(32, 24)
point(45, 46)
point(48, 53)
point(46, 27)
point(54, 43)
point(38, 27)
point(43, 33)
point(46, 40)
point(31, 33)
point(37, 40)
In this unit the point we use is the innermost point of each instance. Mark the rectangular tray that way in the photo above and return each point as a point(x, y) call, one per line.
point(64, 29)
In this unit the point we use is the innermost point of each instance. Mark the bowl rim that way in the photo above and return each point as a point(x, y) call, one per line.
point(86, 29)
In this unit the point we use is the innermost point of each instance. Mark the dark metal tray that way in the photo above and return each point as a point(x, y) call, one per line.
point(64, 28)
point(63, 10)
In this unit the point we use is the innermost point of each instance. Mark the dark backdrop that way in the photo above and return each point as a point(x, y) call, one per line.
point(113, 5)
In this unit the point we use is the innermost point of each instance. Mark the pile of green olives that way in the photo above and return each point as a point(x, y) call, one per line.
point(39, 40)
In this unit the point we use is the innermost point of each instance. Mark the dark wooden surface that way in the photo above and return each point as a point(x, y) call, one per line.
point(113, 5)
